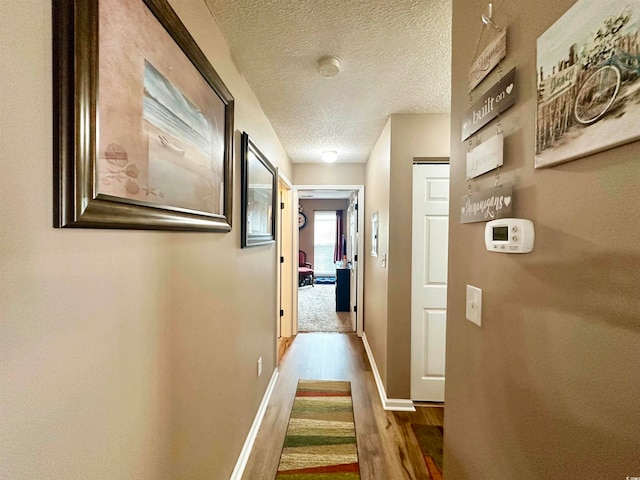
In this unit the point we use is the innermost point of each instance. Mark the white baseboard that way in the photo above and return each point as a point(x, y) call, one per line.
point(395, 404)
point(253, 431)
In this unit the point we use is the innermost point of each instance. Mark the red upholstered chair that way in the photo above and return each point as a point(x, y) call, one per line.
point(305, 270)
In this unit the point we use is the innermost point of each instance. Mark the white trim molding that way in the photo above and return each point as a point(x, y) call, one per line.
point(394, 404)
point(253, 431)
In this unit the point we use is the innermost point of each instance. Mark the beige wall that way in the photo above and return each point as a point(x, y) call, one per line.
point(309, 208)
point(411, 136)
point(376, 199)
point(328, 174)
point(124, 354)
point(548, 386)
point(388, 191)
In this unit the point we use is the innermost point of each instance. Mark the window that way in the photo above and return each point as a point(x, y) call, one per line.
point(324, 242)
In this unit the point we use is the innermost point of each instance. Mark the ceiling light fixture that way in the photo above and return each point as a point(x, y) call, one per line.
point(329, 66)
point(329, 156)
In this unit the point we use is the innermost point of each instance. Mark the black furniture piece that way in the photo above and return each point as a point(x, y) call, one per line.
point(343, 288)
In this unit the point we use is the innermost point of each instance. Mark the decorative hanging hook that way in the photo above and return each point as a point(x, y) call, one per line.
point(487, 17)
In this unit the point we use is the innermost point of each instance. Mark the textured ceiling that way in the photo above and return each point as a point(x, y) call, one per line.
point(395, 58)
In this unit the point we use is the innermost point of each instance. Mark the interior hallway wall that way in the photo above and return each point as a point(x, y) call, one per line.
point(388, 287)
point(376, 199)
point(123, 354)
point(548, 386)
point(411, 136)
point(328, 174)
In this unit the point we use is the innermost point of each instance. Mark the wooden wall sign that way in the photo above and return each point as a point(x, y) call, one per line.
point(557, 84)
point(486, 156)
point(488, 59)
point(487, 205)
point(498, 99)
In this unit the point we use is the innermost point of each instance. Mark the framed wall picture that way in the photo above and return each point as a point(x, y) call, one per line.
point(375, 227)
point(259, 186)
point(588, 68)
point(143, 125)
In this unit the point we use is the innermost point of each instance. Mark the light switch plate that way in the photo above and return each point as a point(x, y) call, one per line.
point(474, 305)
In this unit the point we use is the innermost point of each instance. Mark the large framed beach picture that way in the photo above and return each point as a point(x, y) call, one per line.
point(588, 81)
point(143, 125)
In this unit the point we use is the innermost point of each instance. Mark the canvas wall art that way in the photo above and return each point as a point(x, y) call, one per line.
point(588, 81)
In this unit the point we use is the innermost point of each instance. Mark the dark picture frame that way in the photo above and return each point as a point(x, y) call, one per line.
point(259, 196)
point(142, 123)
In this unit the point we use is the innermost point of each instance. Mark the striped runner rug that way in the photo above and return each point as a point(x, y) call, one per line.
point(321, 439)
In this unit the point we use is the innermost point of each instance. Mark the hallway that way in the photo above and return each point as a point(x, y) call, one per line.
point(387, 447)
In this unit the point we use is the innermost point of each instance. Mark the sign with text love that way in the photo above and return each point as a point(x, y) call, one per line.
point(487, 205)
point(488, 59)
point(498, 99)
point(486, 156)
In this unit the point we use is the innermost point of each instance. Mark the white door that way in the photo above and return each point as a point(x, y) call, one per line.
point(429, 280)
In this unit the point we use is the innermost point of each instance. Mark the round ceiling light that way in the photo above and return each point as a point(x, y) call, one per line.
point(329, 156)
point(329, 66)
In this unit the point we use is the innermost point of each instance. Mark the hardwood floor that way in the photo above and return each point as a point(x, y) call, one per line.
point(387, 447)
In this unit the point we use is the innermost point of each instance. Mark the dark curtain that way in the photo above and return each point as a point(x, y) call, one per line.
point(340, 248)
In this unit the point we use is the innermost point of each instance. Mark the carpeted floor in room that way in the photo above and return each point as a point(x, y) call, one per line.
point(317, 310)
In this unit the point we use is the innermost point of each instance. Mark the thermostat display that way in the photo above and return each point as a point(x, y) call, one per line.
point(500, 234)
point(509, 235)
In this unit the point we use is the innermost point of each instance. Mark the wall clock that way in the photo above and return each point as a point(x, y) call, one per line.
point(302, 220)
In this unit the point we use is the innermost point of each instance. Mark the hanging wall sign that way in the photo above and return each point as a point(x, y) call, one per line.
point(486, 156)
point(487, 205)
point(498, 99)
point(488, 59)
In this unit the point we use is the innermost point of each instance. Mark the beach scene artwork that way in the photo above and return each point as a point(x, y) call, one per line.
point(588, 77)
point(161, 125)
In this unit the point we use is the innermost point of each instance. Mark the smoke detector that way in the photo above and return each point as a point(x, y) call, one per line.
point(329, 66)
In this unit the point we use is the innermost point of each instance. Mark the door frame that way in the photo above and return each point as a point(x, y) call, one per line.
point(422, 161)
point(285, 248)
point(359, 271)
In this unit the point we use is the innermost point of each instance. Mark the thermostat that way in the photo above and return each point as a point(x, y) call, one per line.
point(509, 235)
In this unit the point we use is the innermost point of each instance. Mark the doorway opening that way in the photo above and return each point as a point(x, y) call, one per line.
point(323, 306)
point(328, 240)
